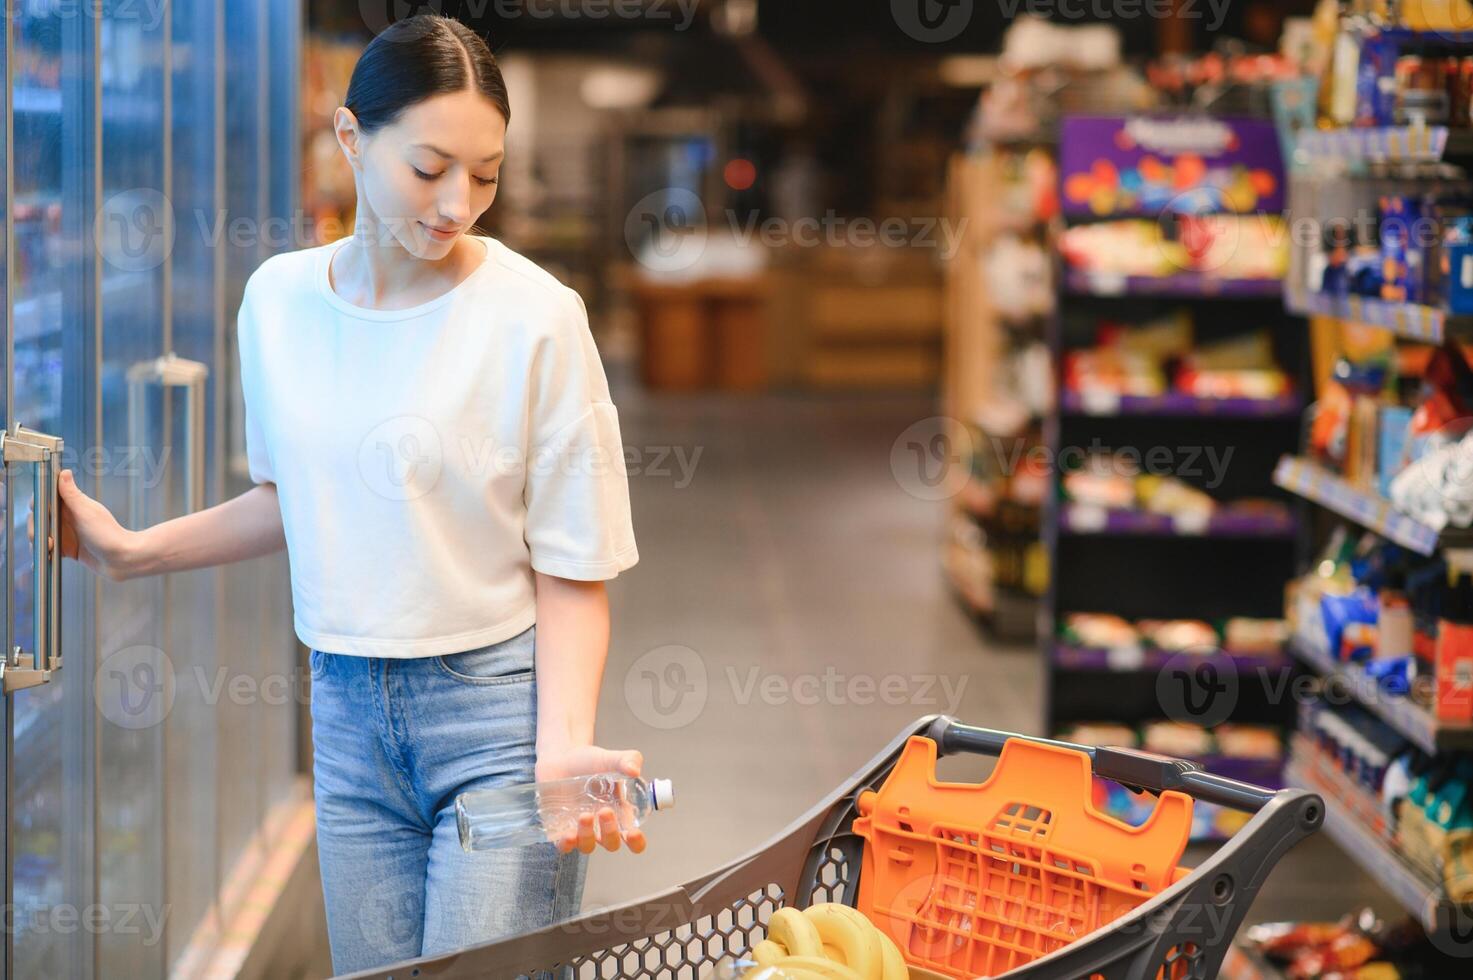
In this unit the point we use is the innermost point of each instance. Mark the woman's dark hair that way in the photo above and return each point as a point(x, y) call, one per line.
point(415, 59)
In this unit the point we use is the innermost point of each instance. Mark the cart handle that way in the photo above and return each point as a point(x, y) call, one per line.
point(1130, 767)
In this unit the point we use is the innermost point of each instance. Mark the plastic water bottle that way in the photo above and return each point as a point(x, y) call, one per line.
point(534, 813)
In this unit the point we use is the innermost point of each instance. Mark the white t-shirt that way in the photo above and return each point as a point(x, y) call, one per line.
point(427, 460)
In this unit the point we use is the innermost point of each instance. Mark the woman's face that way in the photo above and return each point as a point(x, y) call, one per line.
point(433, 171)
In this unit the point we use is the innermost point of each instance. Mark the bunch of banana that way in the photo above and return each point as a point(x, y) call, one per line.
point(825, 942)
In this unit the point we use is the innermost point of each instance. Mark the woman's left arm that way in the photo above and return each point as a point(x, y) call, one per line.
point(572, 646)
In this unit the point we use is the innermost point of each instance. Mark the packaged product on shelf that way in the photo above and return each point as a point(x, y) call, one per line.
point(1435, 824)
point(1248, 741)
point(1176, 738)
point(1402, 253)
point(1358, 744)
point(1113, 371)
point(1102, 733)
point(1221, 245)
point(1339, 613)
point(1453, 699)
point(1170, 496)
point(1392, 425)
point(1456, 265)
point(1100, 630)
point(1019, 277)
point(1394, 627)
point(1105, 480)
point(1261, 636)
point(1178, 635)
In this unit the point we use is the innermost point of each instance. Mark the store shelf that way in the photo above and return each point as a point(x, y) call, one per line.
point(1374, 144)
point(1182, 285)
point(1411, 320)
point(1401, 713)
point(1085, 519)
point(1370, 510)
point(1069, 656)
point(1410, 37)
point(1421, 896)
point(1097, 403)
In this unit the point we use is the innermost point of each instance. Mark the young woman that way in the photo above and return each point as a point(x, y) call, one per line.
point(430, 431)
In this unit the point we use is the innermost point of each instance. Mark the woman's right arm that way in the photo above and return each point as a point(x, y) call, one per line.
point(246, 526)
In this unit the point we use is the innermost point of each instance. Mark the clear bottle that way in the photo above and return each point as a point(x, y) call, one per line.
point(534, 813)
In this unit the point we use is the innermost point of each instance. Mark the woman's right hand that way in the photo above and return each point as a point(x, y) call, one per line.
point(90, 533)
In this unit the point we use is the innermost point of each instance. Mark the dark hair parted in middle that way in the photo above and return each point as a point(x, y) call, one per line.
point(418, 58)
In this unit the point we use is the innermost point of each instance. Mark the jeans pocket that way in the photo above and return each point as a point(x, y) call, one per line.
point(509, 662)
point(317, 664)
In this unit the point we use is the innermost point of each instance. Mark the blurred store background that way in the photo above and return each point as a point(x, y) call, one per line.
point(899, 302)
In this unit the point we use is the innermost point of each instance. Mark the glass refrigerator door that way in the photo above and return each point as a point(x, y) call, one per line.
point(138, 676)
point(49, 274)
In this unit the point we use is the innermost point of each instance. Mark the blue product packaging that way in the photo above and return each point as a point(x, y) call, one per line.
point(1457, 260)
point(1391, 439)
point(1392, 676)
point(1395, 226)
point(1339, 611)
point(1375, 89)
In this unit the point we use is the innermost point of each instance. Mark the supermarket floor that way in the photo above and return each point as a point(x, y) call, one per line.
point(789, 551)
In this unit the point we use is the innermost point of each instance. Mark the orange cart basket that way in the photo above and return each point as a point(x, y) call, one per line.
point(1028, 895)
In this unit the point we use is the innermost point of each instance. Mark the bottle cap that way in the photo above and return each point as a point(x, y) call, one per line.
point(663, 792)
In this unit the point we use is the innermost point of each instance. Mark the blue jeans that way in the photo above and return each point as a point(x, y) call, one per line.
point(395, 741)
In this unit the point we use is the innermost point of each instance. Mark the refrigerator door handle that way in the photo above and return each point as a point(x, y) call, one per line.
point(20, 669)
point(170, 371)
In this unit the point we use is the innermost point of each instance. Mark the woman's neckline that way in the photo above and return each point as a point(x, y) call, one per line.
point(324, 285)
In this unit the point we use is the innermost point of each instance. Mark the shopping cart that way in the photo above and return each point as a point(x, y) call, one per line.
point(1182, 932)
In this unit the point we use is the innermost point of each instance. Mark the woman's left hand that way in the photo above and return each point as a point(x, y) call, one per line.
point(601, 828)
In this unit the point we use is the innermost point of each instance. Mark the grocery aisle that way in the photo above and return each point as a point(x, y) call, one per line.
point(792, 549)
